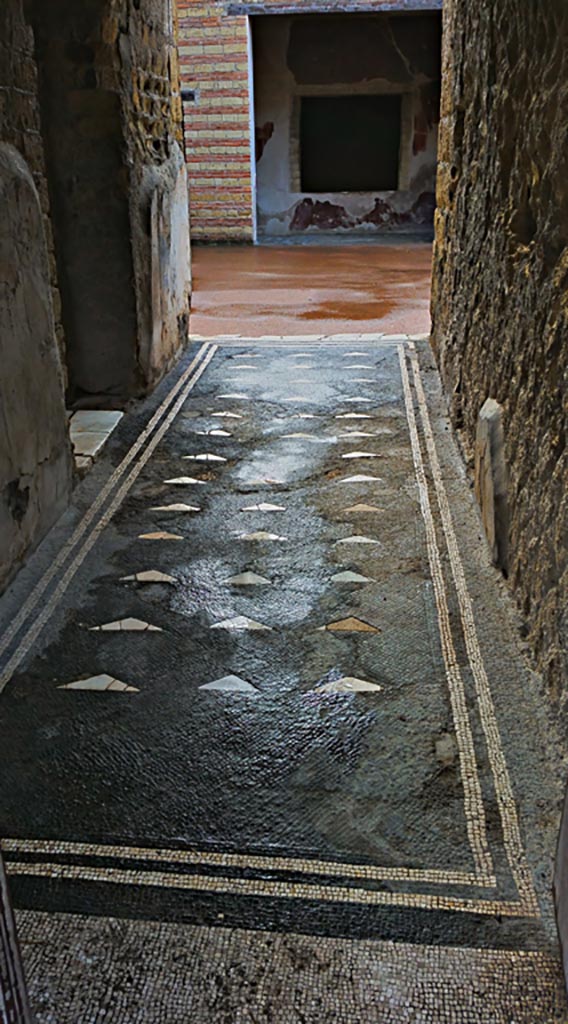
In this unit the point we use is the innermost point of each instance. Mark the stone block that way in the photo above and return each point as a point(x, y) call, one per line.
point(491, 481)
point(35, 456)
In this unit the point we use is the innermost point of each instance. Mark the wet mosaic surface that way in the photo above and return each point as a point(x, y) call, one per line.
point(274, 685)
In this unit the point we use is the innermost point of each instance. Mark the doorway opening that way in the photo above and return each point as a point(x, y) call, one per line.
point(349, 143)
point(346, 119)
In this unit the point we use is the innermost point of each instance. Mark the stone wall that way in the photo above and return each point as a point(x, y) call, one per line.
point(500, 294)
point(111, 118)
point(214, 63)
point(20, 122)
point(35, 458)
point(296, 58)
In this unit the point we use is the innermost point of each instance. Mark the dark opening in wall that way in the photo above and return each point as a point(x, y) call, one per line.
point(350, 143)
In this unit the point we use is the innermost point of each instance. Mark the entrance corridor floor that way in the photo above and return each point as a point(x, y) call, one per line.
point(271, 750)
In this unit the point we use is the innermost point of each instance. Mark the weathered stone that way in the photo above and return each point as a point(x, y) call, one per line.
point(35, 456)
point(491, 481)
point(112, 141)
point(499, 306)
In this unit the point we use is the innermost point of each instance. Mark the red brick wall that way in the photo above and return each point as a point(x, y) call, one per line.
point(214, 62)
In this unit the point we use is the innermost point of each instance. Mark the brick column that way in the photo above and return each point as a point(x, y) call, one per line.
point(214, 64)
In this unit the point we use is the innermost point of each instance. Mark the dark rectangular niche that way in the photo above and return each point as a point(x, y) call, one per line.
point(350, 143)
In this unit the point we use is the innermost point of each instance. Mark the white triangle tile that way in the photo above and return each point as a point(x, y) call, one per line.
point(349, 625)
point(243, 397)
point(228, 415)
point(241, 623)
point(361, 455)
point(216, 432)
point(265, 506)
point(230, 684)
point(178, 506)
point(363, 508)
point(358, 539)
point(261, 535)
point(101, 683)
point(349, 684)
point(150, 576)
point(184, 480)
point(248, 579)
point(159, 535)
point(350, 577)
point(310, 438)
point(126, 626)
point(204, 457)
point(360, 478)
point(353, 416)
point(356, 433)
point(262, 482)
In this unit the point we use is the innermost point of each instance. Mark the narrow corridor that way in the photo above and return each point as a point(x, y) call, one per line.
point(265, 658)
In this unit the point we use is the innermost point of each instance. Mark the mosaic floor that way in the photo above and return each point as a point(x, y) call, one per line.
point(271, 748)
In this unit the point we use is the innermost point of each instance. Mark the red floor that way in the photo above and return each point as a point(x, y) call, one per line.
point(343, 289)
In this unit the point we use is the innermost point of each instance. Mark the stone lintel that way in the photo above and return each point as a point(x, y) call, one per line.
point(331, 7)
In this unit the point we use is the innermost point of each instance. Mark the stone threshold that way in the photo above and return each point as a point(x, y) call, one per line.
point(89, 431)
point(291, 339)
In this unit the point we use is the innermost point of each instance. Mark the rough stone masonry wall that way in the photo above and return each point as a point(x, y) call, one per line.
point(110, 111)
point(500, 289)
point(35, 457)
point(20, 121)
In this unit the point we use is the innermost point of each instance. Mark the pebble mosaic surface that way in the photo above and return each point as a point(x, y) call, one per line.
point(266, 751)
point(142, 972)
